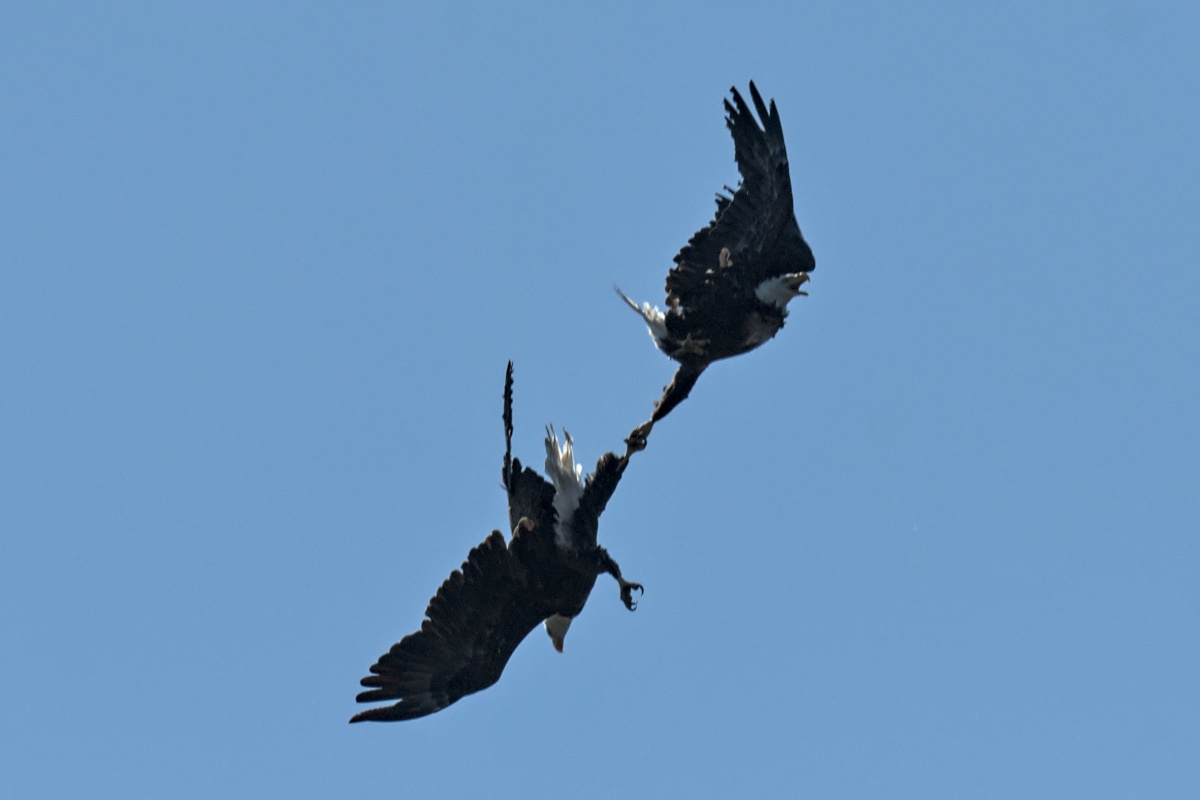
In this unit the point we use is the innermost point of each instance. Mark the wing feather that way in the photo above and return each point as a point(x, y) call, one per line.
point(472, 627)
point(756, 225)
point(530, 495)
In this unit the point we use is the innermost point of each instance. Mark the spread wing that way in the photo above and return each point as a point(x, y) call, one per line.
point(530, 495)
point(472, 627)
point(757, 225)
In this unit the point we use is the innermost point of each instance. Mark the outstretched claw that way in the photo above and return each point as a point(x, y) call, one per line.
point(606, 564)
point(627, 588)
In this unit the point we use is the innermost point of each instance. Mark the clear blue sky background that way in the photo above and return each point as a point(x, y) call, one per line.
point(261, 267)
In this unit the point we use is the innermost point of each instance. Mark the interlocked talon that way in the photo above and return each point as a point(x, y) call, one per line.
point(637, 439)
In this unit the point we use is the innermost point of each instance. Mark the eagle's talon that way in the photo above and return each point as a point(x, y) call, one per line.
point(689, 346)
point(627, 588)
point(637, 439)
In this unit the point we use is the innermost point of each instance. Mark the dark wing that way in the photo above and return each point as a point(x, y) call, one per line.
point(508, 428)
point(757, 225)
point(529, 494)
point(474, 623)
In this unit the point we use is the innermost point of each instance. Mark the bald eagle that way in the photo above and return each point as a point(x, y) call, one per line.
point(731, 284)
point(504, 590)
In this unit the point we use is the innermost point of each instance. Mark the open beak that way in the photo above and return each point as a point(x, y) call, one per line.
point(797, 280)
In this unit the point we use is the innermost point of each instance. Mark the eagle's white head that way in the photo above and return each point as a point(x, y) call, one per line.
point(780, 290)
point(556, 626)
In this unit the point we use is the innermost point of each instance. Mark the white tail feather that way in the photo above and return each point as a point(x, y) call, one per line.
point(567, 477)
point(655, 319)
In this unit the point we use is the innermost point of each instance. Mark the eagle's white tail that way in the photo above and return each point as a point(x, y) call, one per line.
point(655, 319)
point(566, 476)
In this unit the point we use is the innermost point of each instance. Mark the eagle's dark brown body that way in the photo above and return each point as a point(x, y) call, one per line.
point(729, 289)
point(503, 591)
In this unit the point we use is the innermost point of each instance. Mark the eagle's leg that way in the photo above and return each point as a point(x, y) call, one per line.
point(678, 389)
point(606, 564)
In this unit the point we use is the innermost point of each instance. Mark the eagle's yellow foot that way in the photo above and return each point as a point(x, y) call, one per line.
point(690, 346)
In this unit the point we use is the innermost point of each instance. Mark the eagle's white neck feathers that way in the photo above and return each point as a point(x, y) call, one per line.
point(566, 476)
point(780, 290)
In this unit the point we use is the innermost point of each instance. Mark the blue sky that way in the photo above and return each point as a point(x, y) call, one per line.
point(261, 268)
